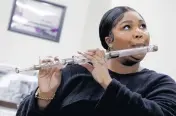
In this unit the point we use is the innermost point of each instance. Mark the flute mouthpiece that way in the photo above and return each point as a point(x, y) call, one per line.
point(17, 70)
point(155, 48)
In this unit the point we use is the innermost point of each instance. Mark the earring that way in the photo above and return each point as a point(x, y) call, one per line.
point(110, 47)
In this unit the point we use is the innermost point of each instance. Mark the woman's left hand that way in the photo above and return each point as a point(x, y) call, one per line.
point(98, 69)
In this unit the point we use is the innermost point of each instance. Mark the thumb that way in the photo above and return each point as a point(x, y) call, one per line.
point(57, 72)
point(88, 66)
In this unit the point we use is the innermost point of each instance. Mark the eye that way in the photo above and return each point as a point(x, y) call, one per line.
point(143, 26)
point(126, 27)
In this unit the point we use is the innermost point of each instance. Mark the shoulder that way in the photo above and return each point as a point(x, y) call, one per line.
point(158, 78)
point(159, 75)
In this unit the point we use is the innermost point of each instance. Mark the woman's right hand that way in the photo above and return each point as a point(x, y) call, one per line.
point(49, 79)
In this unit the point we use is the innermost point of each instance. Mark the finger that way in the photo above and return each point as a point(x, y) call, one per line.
point(90, 53)
point(96, 51)
point(59, 64)
point(46, 59)
point(42, 71)
point(46, 67)
point(57, 73)
point(92, 50)
point(100, 53)
point(40, 61)
point(53, 70)
point(89, 57)
point(99, 60)
point(47, 71)
point(56, 58)
point(92, 59)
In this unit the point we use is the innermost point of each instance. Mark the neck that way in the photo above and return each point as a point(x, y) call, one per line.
point(116, 66)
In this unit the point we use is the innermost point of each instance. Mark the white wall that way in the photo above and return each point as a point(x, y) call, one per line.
point(80, 32)
point(161, 21)
point(90, 39)
point(23, 50)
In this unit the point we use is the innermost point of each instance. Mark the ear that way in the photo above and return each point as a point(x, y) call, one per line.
point(108, 40)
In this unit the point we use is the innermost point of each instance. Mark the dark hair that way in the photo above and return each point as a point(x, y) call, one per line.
point(109, 20)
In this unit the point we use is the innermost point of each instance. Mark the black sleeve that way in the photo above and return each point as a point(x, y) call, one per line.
point(161, 101)
point(29, 106)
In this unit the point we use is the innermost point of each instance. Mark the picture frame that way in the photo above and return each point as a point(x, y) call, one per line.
point(37, 18)
point(14, 88)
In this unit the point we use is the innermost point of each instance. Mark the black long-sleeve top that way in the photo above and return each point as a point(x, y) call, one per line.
point(145, 93)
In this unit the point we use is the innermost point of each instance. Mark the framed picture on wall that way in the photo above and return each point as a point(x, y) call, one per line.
point(37, 18)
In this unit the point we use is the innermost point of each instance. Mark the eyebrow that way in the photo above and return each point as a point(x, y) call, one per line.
point(130, 21)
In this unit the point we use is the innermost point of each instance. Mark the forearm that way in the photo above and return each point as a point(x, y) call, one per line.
point(119, 98)
point(44, 98)
point(43, 103)
point(28, 107)
point(32, 106)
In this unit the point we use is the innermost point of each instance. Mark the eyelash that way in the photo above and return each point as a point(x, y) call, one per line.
point(143, 26)
point(126, 26)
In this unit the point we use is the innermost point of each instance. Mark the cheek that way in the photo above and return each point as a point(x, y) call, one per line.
point(147, 38)
point(122, 40)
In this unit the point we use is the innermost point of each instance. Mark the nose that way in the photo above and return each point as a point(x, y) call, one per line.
point(137, 34)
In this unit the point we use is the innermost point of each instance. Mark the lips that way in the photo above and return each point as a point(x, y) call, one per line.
point(138, 45)
point(138, 56)
point(135, 58)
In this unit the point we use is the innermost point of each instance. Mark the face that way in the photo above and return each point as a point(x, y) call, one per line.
point(130, 32)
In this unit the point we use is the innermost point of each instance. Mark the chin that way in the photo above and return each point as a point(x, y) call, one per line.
point(133, 58)
point(130, 61)
point(137, 57)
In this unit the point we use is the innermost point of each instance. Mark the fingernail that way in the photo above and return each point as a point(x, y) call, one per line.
point(79, 52)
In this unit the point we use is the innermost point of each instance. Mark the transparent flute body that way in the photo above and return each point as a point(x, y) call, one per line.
point(81, 59)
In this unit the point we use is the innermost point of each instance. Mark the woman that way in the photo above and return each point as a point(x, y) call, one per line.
point(118, 86)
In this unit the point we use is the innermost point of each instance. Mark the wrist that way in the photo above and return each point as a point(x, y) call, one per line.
point(106, 83)
point(44, 95)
